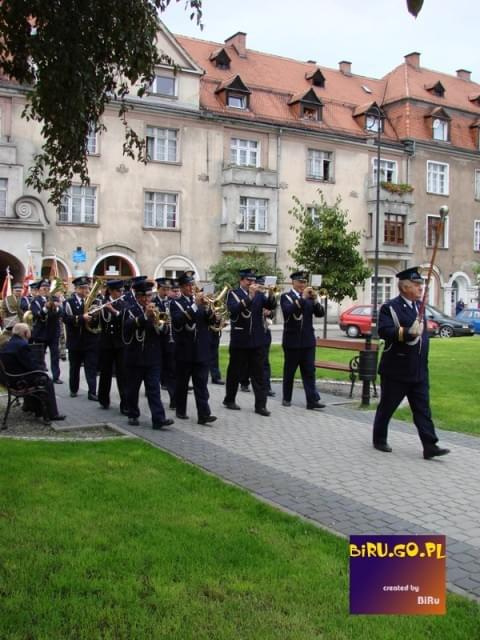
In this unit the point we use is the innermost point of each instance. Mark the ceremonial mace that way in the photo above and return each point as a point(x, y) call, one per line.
point(438, 232)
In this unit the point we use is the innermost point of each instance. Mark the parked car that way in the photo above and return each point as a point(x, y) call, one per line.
point(448, 327)
point(357, 321)
point(470, 316)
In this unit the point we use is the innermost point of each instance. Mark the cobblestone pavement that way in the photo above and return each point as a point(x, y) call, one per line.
point(321, 465)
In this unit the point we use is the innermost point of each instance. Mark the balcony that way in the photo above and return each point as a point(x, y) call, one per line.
point(400, 197)
point(249, 176)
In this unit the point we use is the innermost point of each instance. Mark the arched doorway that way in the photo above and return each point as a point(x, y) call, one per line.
point(115, 266)
point(17, 270)
point(173, 266)
point(48, 268)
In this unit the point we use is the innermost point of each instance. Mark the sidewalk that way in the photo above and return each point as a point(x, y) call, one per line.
point(321, 465)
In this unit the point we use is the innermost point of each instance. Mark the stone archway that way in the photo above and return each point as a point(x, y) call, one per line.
point(17, 270)
point(63, 271)
point(115, 265)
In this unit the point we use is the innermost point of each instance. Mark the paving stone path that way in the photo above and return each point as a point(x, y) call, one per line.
point(321, 465)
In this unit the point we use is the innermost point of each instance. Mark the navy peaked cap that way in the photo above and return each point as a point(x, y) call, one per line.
point(412, 273)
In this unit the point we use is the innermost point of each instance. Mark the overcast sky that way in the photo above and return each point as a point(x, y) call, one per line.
point(374, 35)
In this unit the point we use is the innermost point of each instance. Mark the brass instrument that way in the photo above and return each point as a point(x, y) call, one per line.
point(99, 307)
point(89, 300)
point(317, 291)
point(159, 318)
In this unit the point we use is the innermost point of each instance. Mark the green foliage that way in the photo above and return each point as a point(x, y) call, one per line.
point(225, 271)
point(324, 246)
point(76, 57)
point(399, 188)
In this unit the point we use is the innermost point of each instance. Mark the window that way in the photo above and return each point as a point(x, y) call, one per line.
point(311, 113)
point(253, 213)
point(394, 229)
point(3, 197)
point(432, 229)
point(314, 215)
point(319, 165)
point(373, 123)
point(162, 144)
point(477, 184)
point(476, 235)
point(388, 171)
point(237, 100)
point(161, 210)
point(384, 289)
point(437, 178)
point(440, 129)
point(79, 206)
point(244, 152)
point(164, 85)
point(92, 141)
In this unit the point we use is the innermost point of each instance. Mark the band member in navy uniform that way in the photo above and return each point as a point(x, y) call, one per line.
point(247, 336)
point(111, 346)
point(130, 291)
point(191, 319)
point(404, 365)
point(299, 306)
point(162, 301)
point(47, 316)
point(143, 355)
point(82, 339)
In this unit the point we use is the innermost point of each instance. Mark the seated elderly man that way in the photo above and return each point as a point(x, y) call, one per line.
point(17, 357)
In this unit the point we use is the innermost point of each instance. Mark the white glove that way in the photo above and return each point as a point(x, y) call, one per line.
point(416, 329)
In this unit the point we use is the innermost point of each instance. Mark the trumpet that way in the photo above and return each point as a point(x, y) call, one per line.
point(159, 318)
point(313, 292)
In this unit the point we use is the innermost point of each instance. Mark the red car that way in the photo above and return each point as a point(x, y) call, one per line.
point(357, 321)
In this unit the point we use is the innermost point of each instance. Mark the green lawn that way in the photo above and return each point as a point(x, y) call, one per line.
point(454, 380)
point(118, 540)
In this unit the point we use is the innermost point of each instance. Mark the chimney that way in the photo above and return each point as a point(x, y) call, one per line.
point(463, 74)
point(413, 59)
point(239, 42)
point(345, 67)
point(311, 62)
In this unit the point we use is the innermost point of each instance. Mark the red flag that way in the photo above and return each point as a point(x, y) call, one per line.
point(7, 284)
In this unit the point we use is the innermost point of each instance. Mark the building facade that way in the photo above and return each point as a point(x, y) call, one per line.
point(232, 135)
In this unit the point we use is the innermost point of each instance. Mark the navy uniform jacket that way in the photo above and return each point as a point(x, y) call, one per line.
point(168, 335)
point(298, 315)
point(191, 330)
point(46, 321)
point(401, 359)
point(112, 326)
point(143, 340)
point(246, 318)
point(78, 336)
point(25, 302)
point(17, 356)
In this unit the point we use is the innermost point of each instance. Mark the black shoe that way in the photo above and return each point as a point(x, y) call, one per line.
point(93, 397)
point(245, 388)
point(263, 411)
point(317, 405)
point(222, 382)
point(231, 405)
point(172, 404)
point(182, 416)
point(104, 406)
point(133, 422)
point(432, 452)
point(73, 394)
point(206, 419)
point(57, 381)
point(58, 418)
point(124, 412)
point(286, 403)
point(163, 423)
point(63, 358)
point(271, 394)
point(386, 448)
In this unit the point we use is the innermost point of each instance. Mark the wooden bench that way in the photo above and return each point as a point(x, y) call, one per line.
point(33, 384)
point(352, 368)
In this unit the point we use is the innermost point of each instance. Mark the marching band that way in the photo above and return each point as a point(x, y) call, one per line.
point(168, 338)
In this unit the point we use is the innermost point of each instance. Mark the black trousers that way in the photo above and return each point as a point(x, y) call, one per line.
point(213, 350)
point(198, 371)
point(107, 359)
point(392, 393)
point(89, 358)
point(246, 363)
point(305, 359)
point(35, 404)
point(150, 376)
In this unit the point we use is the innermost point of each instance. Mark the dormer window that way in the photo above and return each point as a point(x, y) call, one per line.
point(236, 93)
point(475, 127)
point(373, 123)
point(475, 98)
point(163, 85)
point(237, 100)
point(316, 78)
point(370, 117)
point(307, 106)
point(436, 88)
point(311, 113)
point(440, 129)
point(220, 59)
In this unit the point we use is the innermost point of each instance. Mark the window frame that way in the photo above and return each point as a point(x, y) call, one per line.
point(237, 95)
point(244, 145)
point(3, 197)
point(394, 225)
point(92, 135)
point(445, 128)
point(70, 197)
point(376, 123)
point(477, 184)
point(245, 212)
point(476, 235)
point(165, 146)
point(384, 172)
point(315, 112)
point(430, 164)
point(385, 288)
point(429, 244)
point(153, 87)
point(325, 159)
point(164, 213)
